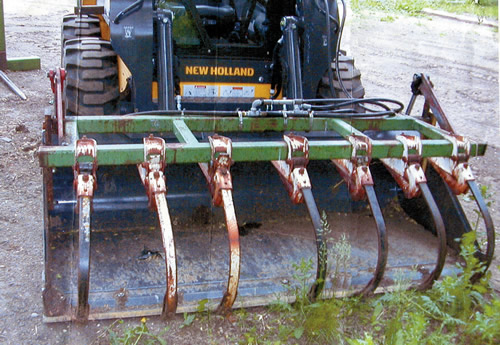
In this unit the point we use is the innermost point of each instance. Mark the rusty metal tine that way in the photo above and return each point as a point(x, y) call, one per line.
point(383, 245)
point(322, 254)
point(84, 207)
point(151, 174)
point(487, 257)
point(170, 298)
point(441, 234)
point(234, 252)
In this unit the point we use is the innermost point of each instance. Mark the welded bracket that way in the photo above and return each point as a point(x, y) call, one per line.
point(85, 183)
point(151, 173)
point(356, 173)
point(293, 173)
point(455, 169)
point(293, 170)
point(410, 176)
point(422, 85)
point(407, 170)
point(220, 183)
point(457, 174)
point(57, 79)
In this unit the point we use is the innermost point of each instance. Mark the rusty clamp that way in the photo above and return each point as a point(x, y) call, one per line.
point(293, 170)
point(151, 170)
point(85, 167)
point(355, 170)
point(455, 169)
point(151, 173)
point(407, 170)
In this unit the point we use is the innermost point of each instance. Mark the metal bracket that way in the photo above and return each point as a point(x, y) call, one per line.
point(219, 169)
point(455, 170)
point(407, 170)
point(421, 85)
point(85, 167)
point(355, 171)
point(293, 170)
point(151, 170)
point(57, 79)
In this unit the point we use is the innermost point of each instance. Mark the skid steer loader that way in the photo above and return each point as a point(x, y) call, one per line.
point(198, 150)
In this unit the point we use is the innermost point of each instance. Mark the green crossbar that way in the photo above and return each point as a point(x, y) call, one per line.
point(189, 150)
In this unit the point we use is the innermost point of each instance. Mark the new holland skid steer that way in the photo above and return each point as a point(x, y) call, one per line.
point(183, 128)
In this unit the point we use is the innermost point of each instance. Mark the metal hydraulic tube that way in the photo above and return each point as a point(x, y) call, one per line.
point(289, 26)
point(166, 97)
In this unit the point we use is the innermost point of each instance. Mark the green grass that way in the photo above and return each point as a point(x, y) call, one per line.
point(483, 9)
point(453, 311)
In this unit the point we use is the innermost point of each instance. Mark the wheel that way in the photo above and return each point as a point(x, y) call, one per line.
point(351, 78)
point(79, 26)
point(91, 77)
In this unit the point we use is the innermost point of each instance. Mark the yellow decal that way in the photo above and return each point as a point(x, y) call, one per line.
point(220, 71)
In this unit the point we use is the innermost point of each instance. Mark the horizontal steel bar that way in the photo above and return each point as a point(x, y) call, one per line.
point(123, 154)
point(158, 123)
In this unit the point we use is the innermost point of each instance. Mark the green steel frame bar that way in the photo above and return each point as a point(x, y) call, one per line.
point(189, 150)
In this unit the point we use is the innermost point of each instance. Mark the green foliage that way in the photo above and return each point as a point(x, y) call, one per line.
point(481, 8)
point(411, 7)
point(188, 320)
point(137, 335)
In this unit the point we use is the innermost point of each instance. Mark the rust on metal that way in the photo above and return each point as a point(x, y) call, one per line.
point(425, 88)
point(151, 174)
point(57, 79)
point(455, 170)
point(220, 184)
point(356, 173)
point(293, 170)
point(407, 170)
point(293, 173)
point(410, 176)
point(457, 174)
point(85, 182)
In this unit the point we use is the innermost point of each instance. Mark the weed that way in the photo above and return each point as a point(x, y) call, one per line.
point(188, 320)
point(137, 335)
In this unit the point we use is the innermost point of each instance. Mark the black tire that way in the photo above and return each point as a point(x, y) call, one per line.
point(351, 78)
point(79, 26)
point(91, 86)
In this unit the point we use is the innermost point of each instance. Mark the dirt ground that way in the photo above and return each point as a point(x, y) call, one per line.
point(461, 59)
